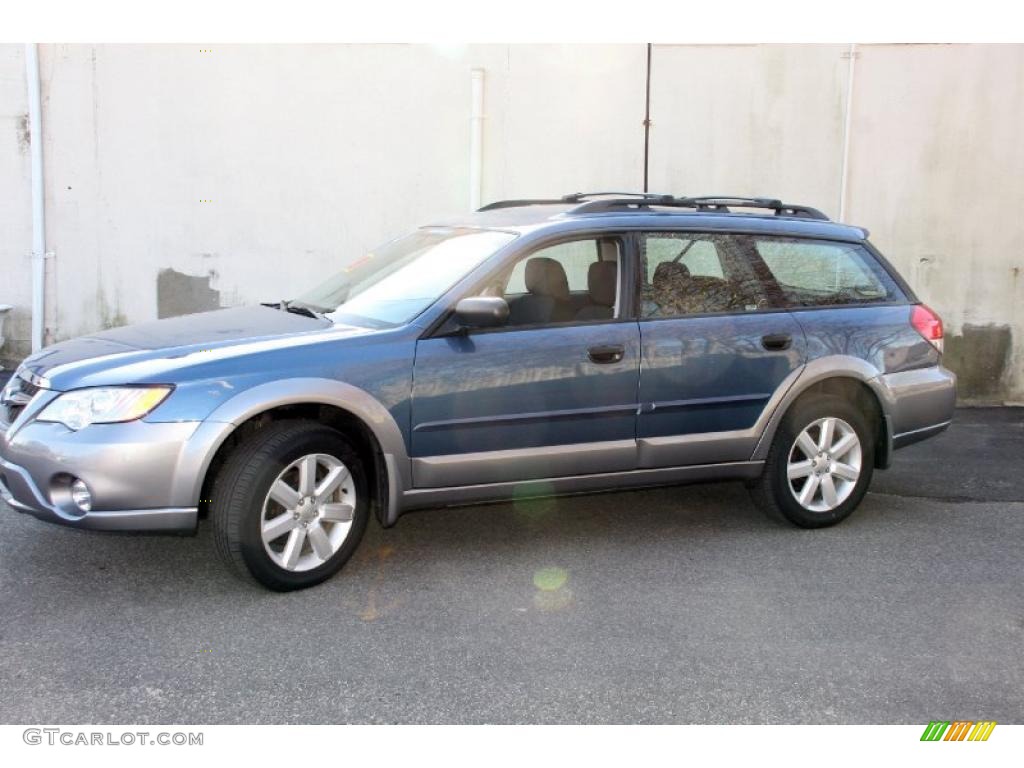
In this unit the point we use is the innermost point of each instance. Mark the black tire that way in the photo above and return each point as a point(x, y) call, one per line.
point(241, 487)
point(772, 490)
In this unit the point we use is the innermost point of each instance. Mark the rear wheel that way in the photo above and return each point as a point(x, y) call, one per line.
point(820, 464)
point(290, 505)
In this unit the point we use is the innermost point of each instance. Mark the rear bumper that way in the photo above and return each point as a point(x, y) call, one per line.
point(909, 438)
point(919, 403)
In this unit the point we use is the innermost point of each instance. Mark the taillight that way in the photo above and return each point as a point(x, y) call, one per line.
point(928, 324)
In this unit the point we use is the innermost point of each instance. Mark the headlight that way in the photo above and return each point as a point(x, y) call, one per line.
point(103, 405)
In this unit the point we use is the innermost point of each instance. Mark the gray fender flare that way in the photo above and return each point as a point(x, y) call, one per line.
point(817, 370)
point(195, 458)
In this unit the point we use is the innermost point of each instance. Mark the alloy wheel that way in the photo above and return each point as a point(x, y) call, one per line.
point(824, 464)
point(307, 513)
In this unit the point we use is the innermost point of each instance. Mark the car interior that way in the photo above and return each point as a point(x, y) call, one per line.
point(579, 280)
point(574, 281)
point(693, 276)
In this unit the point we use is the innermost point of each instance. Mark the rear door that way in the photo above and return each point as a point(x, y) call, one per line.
point(714, 349)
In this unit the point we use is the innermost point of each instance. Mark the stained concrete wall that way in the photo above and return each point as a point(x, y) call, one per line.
point(15, 201)
point(179, 178)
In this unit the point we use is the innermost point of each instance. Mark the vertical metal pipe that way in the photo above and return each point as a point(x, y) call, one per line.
point(35, 124)
point(476, 140)
point(647, 118)
point(847, 123)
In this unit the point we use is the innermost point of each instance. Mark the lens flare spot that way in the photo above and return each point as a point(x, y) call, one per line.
point(534, 501)
point(552, 600)
point(550, 579)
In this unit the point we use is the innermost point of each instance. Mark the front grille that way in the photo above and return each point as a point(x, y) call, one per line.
point(16, 395)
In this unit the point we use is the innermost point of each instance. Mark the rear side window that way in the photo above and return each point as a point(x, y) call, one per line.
point(698, 254)
point(814, 273)
point(690, 273)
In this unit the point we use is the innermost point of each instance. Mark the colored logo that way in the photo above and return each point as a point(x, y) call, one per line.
point(958, 730)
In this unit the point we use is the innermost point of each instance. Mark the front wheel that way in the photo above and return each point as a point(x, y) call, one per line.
point(820, 464)
point(290, 505)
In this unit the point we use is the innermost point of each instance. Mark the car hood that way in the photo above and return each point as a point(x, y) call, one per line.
point(137, 351)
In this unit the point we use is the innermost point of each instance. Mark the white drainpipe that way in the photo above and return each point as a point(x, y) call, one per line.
point(476, 140)
point(844, 174)
point(35, 124)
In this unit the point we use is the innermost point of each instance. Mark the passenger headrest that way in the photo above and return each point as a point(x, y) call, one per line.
point(601, 279)
point(546, 277)
point(669, 272)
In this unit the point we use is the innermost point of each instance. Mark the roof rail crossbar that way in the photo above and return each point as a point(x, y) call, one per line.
point(721, 204)
point(600, 202)
point(566, 199)
point(639, 200)
point(578, 197)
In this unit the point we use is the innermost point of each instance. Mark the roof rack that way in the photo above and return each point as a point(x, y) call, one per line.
point(601, 202)
point(517, 204)
point(722, 203)
point(575, 197)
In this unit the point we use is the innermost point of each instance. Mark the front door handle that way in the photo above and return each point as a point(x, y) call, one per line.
point(777, 341)
point(606, 353)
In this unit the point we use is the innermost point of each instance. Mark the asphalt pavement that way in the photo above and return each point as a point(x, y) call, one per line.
point(680, 605)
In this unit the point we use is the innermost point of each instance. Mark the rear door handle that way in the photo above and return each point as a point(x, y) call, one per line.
point(606, 353)
point(777, 341)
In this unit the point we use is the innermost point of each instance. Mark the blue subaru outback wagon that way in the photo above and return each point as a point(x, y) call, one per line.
point(535, 347)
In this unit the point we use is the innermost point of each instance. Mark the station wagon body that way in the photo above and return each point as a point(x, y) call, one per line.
point(533, 348)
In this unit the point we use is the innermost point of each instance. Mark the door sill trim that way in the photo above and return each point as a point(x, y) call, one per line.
point(421, 498)
point(516, 464)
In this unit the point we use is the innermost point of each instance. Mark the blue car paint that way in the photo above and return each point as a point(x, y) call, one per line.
point(708, 374)
point(524, 389)
point(233, 359)
point(880, 335)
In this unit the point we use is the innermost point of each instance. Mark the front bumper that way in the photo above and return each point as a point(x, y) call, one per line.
point(130, 469)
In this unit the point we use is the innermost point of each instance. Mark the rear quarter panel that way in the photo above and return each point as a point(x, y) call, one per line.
point(879, 335)
point(916, 392)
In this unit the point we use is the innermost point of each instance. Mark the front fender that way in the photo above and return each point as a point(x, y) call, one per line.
point(198, 452)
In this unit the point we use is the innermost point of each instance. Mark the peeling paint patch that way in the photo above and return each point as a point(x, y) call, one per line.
point(979, 355)
point(181, 294)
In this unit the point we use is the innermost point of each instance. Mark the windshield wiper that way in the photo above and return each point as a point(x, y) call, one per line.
point(300, 309)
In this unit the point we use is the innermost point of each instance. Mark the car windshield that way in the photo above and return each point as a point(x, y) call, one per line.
point(393, 284)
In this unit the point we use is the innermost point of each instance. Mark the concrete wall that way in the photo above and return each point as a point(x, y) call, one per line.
point(179, 178)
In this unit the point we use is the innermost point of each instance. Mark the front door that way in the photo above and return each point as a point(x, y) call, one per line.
point(713, 349)
point(553, 393)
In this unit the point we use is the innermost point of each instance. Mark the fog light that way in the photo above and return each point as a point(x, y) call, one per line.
point(81, 496)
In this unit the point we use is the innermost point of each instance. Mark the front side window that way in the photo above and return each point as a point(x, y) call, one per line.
point(394, 283)
point(696, 274)
point(819, 273)
point(574, 281)
point(575, 257)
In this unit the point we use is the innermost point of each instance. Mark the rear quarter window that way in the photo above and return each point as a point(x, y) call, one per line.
point(814, 273)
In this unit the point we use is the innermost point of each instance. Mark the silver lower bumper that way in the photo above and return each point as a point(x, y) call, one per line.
point(129, 468)
point(15, 479)
point(920, 402)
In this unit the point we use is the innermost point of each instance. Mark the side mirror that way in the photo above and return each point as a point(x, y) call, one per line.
point(481, 312)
